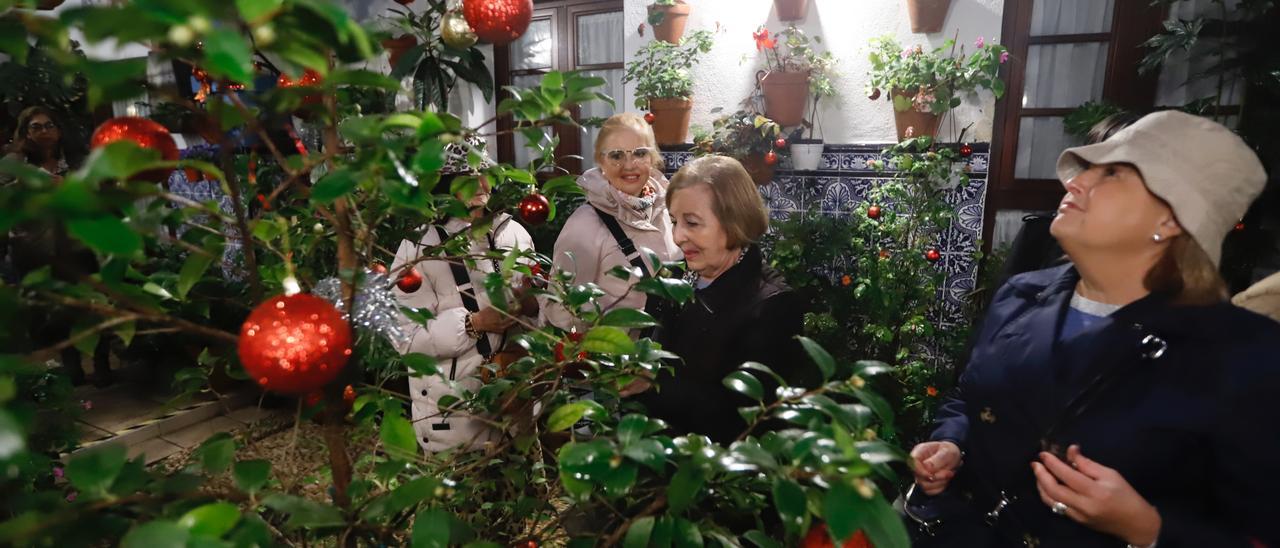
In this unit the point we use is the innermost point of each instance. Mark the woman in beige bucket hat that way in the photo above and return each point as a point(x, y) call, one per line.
point(1119, 399)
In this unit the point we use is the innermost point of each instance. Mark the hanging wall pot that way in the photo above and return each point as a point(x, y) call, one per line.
point(785, 95)
point(791, 10)
point(920, 123)
point(927, 15)
point(671, 27)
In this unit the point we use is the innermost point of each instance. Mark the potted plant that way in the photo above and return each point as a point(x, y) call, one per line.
point(748, 137)
point(663, 84)
point(791, 10)
point(806, 149)
point(445, 52)
point(927, 15)
point(923, 86)
point(789, 69)
point(668, 17)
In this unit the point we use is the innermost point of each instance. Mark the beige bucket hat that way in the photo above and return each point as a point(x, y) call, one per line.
point(1206, 173)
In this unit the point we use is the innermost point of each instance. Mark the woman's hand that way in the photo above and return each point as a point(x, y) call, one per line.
point(935, 464)
point(1096, 497)
point(491, 320)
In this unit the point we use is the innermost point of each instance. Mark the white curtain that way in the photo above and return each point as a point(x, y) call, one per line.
point(533, 49)
point(1040, 141)
point(600, 42)
point(1050, 17)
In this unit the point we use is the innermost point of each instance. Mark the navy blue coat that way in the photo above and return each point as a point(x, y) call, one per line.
point(1194, 430)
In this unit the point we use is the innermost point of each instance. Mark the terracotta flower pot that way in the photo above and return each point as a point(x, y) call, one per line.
point(760, 171)
point(927, 15)
point(921, 123)
point(671, 120)
point(791, 10)
point(785, 95)
point(396, 47)
point(671, 29)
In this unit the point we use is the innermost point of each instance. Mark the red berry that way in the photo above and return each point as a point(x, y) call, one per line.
point(1239, 227)
point(576, 336)
point(873, 212)
point(582, 355)
point(966, 151)
point(409, 281)
point(560, 351)
point(534, 209)
point(932, 255)
point(649, 117)
point(770, 158)
point(780, 143)
point(349, 394)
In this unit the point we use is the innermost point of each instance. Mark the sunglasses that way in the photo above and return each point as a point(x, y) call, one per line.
point(619, 156)
point(37, 127)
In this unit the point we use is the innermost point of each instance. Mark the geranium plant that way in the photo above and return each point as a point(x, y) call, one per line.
point(933, 81)
point(661, 69)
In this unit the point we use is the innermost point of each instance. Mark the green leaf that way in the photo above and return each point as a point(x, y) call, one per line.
point(257, 11)
point(685, 484)
point(663, 530)
point(877, 404)
point(431, 529)
point(790, 500)
point(398, 436)
point(820, 357)
point(402, 498)
point(760, 539)
point(217, 453)
point(304, 512)
point(420, 365)
point(744, 383)
point(362, 78)
point(156, 534)
point(609, 340)
point(227, 54)
point(648, 452)
point(251, 475)
point(12, 439)
point(628, 318)
point(687, 534)
point(211, 520)
point(639, 533)
point(620, 481)
point(757, 366)
point(632, 428)
point(155, 289)
point(106, 234)
point(192, 270)
point(847, 512)
point(334, 185)
point(430, 157)
point(94, 470)
point(566, 416)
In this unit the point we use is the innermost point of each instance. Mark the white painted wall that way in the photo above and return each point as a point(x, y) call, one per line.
point(726, 75)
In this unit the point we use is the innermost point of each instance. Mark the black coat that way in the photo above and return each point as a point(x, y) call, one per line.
point(746, 314)
point(1193, 429)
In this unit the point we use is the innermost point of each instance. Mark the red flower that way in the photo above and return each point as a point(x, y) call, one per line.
point(931, 391)
point(846, 280)
point(762, 39)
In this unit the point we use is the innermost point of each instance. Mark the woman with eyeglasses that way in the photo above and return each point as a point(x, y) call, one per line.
point(625, 213)
point(1118, 399)
point(38, 141)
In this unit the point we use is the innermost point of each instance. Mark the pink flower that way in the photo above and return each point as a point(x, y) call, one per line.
point(980, 42)
point(906, 53)
point(71, 497)
point(86, 404)
point(57, 472)
point(1004, 56)
point(911, 130)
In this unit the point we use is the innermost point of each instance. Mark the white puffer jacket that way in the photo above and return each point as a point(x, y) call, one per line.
point(445, 337)
point(587, 249)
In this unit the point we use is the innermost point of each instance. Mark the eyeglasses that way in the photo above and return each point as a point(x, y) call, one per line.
point(619, 156)
point(37, 127)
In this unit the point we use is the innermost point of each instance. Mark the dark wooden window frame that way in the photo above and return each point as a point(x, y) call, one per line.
point(1133, 22)
point(563, 15)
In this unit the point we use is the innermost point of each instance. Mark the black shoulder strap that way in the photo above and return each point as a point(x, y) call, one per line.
point(466, 291)
point(624, 243)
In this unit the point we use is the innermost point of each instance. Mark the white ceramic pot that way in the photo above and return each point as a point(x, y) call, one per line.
point(806, 156)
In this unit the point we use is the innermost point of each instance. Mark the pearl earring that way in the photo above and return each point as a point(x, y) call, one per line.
point(1157, 238)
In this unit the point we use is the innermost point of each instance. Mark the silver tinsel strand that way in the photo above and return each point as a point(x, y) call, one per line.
point(375, 309)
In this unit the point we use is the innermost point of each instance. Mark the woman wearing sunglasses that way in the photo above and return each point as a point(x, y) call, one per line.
point(625, 213)
point(1118, 399)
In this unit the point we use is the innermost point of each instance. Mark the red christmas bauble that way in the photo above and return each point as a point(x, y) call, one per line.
point(534, 209)
point(873, 212)
point(378, 268)
point(1239, 227)
point(294, 344)
point(409, 280)
point(932, 255)
point(309, 78)
point(817, 537)
point(146, 133)
point(966, 151)
point(649, 118)
point(770, 157)
point(349, 395)
point(498, 21)
point(780, 143)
